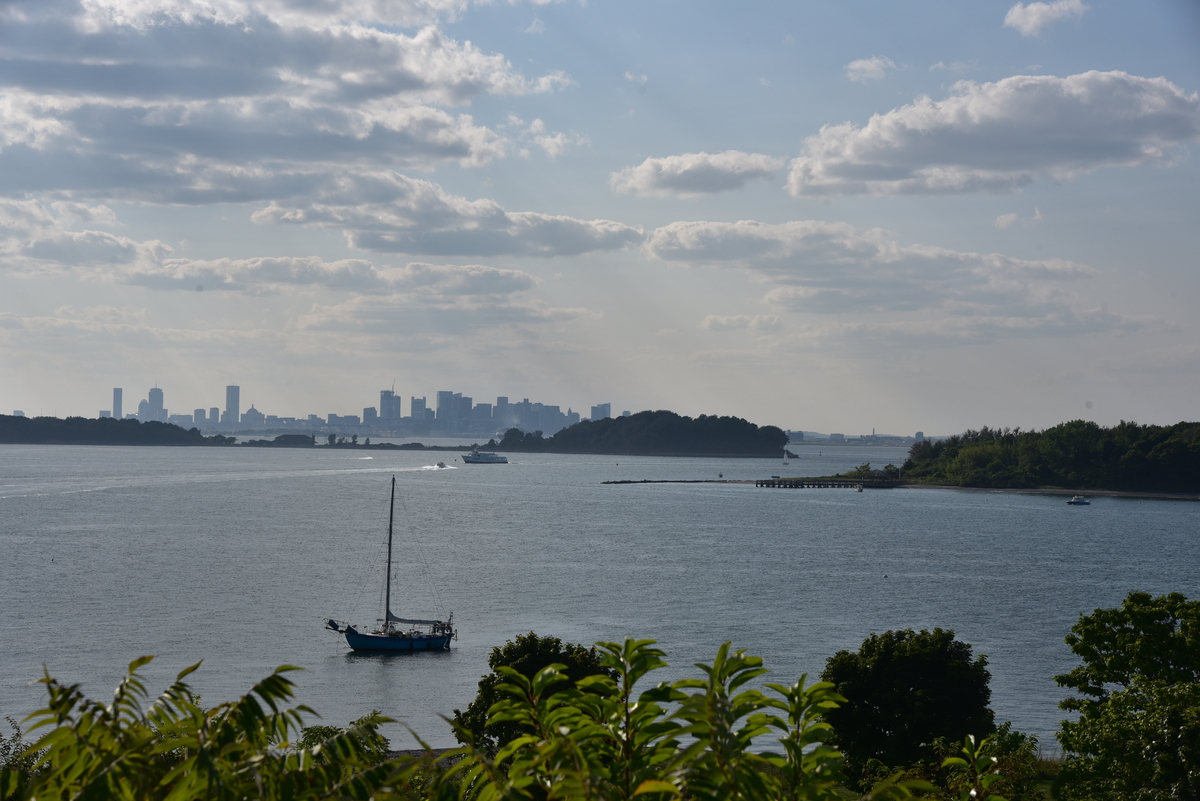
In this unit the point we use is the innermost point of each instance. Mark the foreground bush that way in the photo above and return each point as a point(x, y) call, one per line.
point(599, 738)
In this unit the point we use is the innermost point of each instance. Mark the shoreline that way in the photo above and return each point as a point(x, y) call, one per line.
point(1087, 493)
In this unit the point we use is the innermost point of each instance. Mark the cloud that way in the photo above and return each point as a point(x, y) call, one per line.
point(818, 267)
point(390, 213)
point(957, 331)
point(1030, 19)
point(955, 66)
point(34, 240)
point(635, 78)
point(1001, 136)
point(1008, 220)
point(867, 69)
point(695, 174)
point(398, 314)
point(758, 323)
point(227, 101)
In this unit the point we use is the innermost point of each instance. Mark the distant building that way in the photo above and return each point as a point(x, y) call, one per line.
point(143, 412)
point(116, 409)
point(389, 406)
point(837, 437)
point(626, 413)
point(233, 405)
point(214, 416)
point(198, 417)
point(180, 419)
point(601, 411)
point(105, 413)
point(370, 415)
point(18, 413)
point(253, 417)
point(155, 409)
point(920, 435)
point(417, 407)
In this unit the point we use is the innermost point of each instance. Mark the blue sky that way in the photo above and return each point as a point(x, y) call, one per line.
point(831, 216)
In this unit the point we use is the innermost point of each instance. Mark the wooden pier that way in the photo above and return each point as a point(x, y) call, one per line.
point(823, 483)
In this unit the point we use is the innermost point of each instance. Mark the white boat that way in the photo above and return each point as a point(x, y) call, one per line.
point(1079, 500)
point(397, 633)
point(481, 457)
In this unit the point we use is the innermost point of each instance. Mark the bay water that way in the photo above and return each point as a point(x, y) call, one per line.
point(237, 556)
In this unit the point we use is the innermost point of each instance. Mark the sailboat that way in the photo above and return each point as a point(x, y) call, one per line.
point(397, 633)
point(785, 455)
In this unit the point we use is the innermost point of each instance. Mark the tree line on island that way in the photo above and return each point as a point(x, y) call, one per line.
point(906, 716)
point(654, 433)
point(1074, 455)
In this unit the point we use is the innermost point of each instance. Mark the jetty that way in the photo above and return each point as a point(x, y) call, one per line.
point(817, 482)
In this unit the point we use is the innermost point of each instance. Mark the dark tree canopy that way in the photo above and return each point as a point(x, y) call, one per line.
point(1078, 454)
point(527, 654)
point(104, 431)
point(904, 690)
point(1138, 732)
point(655, 433)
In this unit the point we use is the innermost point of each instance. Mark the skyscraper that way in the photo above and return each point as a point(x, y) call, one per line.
point(601, 411)
point(233, 405)
point(116, 409)
point(154, 402)
point(389, 406)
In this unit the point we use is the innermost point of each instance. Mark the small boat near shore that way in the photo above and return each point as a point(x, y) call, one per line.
point(1079, 500)
point(397, 633)
point(482, 457)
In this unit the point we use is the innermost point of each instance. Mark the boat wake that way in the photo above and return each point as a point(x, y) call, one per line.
point(438, 466)
point(365, 457)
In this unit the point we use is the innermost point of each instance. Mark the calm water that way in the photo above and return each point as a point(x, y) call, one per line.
point(236, 557)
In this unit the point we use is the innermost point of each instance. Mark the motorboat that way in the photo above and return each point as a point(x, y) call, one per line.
point(1079, 500)
point(482, 457)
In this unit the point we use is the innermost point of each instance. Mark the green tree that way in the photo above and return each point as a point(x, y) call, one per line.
point(607, 737)
point(527, 655)
point(904, 690)
point(1138, 732)
point(175, 749)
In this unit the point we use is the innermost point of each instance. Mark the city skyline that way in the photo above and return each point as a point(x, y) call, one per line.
point(452, 413)
point(925, 215)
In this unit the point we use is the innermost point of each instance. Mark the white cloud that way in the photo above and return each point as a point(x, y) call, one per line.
point(757, 323)
point(1000, 136)
point(635, 78)
point(196, 102)
point(955, 66)
point(695, 174)
point(391, 213)
point(830, 268)
point(867, 69)
point(1030, 19)
point(1008, 220)
point(537, 26)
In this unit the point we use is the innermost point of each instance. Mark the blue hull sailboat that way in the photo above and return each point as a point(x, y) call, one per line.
point(397, 633)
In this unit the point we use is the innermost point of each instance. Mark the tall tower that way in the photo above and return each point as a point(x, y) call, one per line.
point(233, 404)
point(117, 403)
point(155, 399)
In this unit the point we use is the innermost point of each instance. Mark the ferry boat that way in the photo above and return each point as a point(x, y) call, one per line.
point(481, 457)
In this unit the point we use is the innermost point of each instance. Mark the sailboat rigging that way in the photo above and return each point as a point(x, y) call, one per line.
point(397, 633)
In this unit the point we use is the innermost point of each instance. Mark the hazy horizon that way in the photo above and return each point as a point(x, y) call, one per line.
point(908, 216)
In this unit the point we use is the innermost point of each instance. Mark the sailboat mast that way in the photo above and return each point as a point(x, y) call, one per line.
point(387, 603)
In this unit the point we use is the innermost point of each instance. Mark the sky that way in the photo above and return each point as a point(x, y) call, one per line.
point(832, 216)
